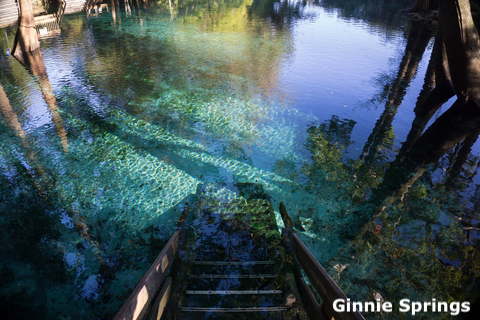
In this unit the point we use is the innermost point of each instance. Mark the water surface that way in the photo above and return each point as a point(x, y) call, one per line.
point(303, 102)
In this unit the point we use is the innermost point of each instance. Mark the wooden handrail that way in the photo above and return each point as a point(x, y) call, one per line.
point(321, 281)
point(136, 306)
point(139, 304)
point(313, 309)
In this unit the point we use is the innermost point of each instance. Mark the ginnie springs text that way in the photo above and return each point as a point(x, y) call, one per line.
point(405, 305)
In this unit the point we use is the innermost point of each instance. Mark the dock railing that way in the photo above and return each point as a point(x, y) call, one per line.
point(140, 304)
point(303, 259)
point(52, 20)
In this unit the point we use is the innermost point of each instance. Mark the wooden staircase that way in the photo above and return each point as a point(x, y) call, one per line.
point(74, 6)
point(235, 265)
point(227, 260)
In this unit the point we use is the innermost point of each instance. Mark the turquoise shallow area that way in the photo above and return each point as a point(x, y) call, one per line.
point(285, 101)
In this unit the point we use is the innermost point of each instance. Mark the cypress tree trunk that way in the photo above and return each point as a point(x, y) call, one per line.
point(26, 39)
point(462, 45)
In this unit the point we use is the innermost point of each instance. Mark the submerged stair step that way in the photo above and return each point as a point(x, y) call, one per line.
point(253, 309)
point(237, 203)
point(232, 263)
point(222, 213)
point(239, 217)
point(233, 291)
point(233, 276)
point(236, 284)
point(231, 254)
point(237, 269)
point(240, 234)
point(249, 211)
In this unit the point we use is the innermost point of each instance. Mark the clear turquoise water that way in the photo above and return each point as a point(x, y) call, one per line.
point(161, 101)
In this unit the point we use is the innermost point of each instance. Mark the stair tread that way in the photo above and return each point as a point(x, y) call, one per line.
point(225, 292)
point(234, 276)
point(251, 309)
point(214, 263)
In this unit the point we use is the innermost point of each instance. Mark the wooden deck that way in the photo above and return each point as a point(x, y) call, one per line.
point(229, 261)
point(9, 11)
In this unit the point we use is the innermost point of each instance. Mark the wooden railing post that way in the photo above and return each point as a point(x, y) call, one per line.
point(320, 279)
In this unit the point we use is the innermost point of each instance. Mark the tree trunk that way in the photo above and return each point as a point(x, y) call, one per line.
point(26, 39)
point(27, 49)
point(462, 46)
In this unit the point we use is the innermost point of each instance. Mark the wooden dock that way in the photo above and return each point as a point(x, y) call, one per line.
point(229, 261)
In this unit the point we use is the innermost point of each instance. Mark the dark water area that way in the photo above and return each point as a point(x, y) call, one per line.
point(310, 103)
